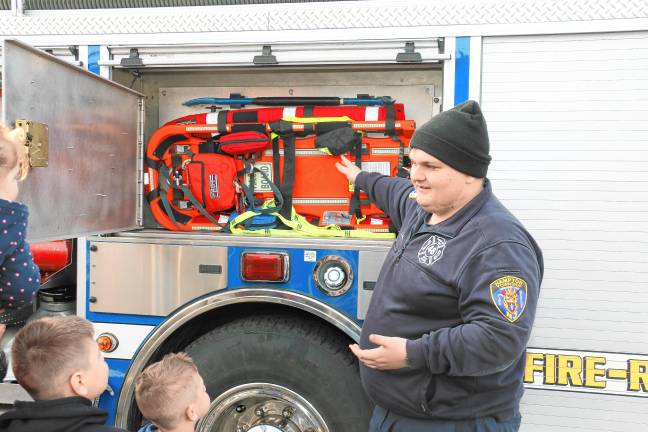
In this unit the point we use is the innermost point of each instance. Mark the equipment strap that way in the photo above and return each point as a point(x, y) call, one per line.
point(354, 205)
point(288, 178)
point(199, 206)
point(221, 120)
point(300, 227)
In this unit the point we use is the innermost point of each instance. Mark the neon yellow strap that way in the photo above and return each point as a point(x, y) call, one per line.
point(301, 227)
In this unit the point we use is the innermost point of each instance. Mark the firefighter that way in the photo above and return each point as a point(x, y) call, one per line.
point(443, 342)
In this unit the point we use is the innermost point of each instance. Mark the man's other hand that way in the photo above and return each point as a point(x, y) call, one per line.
point(390, 354)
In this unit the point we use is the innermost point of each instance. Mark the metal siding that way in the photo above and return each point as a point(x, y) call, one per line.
point(567, 121)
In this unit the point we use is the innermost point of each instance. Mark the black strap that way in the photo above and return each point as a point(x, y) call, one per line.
point(199, 206)
point(276, 161)
point(400, 170)
point(390, 130)
point(308, 111)
point(176, 161)
point(354, 205)
point(247, 127)
point(221, 120)
point(249, 190)
point(165, 182)
point(390, 119)
point(153, 194)
point(288, 178)
point(166, 143)
point(245, 117)
point(209, 146)
point(152, 163)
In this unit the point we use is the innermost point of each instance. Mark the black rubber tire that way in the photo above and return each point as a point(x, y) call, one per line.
point(296, 352)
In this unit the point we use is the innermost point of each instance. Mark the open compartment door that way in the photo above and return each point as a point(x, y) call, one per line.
point(86, 147)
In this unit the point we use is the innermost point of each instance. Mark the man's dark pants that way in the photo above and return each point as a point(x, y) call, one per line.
point(386, 421)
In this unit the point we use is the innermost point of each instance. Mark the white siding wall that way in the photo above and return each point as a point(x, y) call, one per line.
point(568, 121)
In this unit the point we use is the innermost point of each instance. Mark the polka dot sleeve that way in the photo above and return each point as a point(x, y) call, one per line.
point(19, 276)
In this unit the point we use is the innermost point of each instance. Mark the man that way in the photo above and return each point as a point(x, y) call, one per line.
point(443, 343)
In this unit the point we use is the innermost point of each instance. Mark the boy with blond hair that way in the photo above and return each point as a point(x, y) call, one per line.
point(58, 362)
point(172, 395)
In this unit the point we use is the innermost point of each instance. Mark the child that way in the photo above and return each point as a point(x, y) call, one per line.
point(172, 395)
point(19, 276)
point(58, 362)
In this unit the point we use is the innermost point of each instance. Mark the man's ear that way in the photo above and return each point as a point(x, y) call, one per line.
point(78, 383)
point(191, 413)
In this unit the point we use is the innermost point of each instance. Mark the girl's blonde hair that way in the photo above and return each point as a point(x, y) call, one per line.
point(13, 151)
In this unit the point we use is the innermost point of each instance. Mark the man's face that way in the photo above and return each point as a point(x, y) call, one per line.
point(97, 370)
point(440, 189)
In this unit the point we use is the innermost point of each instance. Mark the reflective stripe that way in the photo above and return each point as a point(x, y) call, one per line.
point(371, 113)
point(289, 112)
point(212, 118)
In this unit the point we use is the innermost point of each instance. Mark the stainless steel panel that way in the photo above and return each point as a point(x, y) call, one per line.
point(151, 279)
point(369, 265)
point(208, 239)
point(91, 183)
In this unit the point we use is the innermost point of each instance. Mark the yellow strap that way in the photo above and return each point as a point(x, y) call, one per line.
point(301, 227)
point(316, 119)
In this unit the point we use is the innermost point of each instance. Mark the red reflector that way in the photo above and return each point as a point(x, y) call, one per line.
point(264, 267)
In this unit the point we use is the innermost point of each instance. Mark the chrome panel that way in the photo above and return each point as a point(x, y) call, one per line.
point(195, 238)
point(90, 184)
point(146, 279)
point(369, 265)
point(193, 310)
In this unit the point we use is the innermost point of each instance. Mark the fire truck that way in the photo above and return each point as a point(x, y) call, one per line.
point(564, 89)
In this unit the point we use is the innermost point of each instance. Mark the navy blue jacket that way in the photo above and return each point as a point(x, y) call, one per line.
point(19, 276)
point(464, 293)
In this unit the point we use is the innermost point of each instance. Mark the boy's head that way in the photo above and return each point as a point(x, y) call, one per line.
point(14, 161)
point(57, 357)
point(171, 392)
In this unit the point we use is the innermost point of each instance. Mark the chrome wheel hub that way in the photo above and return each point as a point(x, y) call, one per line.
point(261, 407)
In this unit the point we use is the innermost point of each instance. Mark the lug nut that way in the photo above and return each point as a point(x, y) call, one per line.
point(260, 412)
point(239, 409)
point(288, 412)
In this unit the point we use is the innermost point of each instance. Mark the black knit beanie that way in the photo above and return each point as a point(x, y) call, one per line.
point(457, 137)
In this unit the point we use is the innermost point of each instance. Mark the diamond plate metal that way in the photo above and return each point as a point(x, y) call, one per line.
point(314, 16)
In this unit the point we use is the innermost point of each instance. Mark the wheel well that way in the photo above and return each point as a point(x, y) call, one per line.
point(212, 319)
point(200, 325)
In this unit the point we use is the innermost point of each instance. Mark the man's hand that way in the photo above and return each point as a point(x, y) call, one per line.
point(390, 354)
point(2, 329)
point(348, 168)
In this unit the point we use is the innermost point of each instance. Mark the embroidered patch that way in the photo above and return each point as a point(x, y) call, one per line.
point(509, 293)
point(432, 250)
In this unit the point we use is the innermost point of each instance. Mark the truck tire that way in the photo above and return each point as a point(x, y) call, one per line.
point(280, 373)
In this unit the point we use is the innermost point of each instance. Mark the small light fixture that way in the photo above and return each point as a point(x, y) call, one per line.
point(409, 55)
point(266, 57)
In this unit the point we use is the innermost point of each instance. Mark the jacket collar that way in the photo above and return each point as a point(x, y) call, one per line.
point(452, 226)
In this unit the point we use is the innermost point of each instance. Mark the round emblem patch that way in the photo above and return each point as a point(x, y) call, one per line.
point(509, 294)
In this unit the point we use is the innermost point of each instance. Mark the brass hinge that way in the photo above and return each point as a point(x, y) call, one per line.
point(37, 142)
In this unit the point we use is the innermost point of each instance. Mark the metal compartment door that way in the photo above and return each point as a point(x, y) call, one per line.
point(92, 176)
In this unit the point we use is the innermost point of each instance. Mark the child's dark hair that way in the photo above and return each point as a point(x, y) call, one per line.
point(13, 152)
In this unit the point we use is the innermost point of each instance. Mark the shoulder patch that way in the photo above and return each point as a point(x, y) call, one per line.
point(509, 294)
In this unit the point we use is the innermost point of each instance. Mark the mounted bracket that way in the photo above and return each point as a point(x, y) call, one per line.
point(37, 142)
point(266, 57)
point(409, 55)
point(133, 60)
